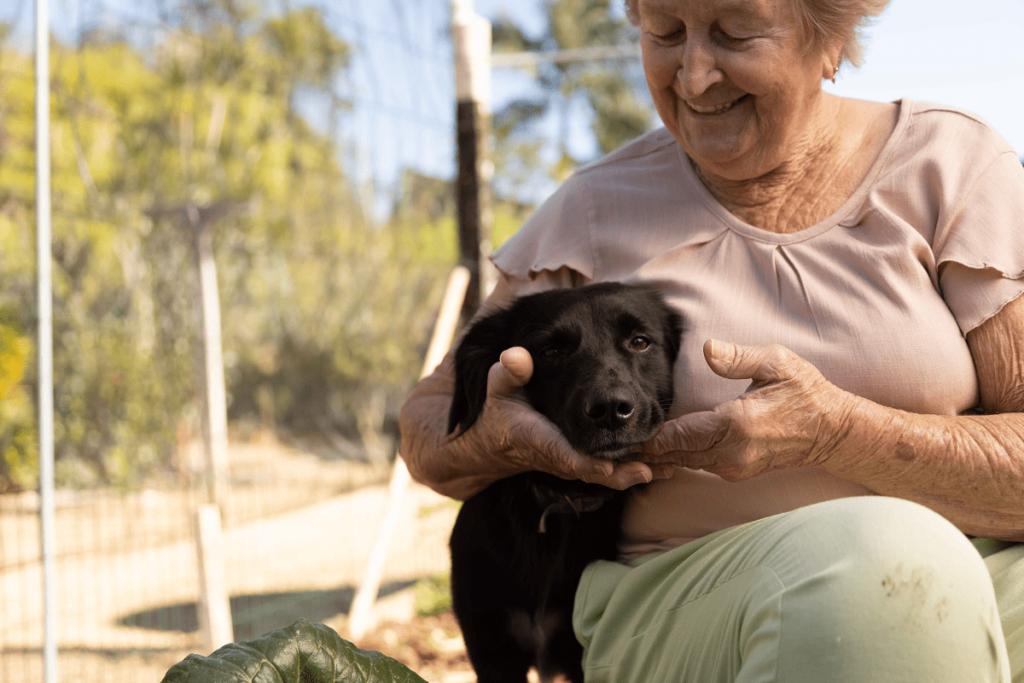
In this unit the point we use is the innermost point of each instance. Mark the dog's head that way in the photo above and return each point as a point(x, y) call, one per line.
point(602, 357)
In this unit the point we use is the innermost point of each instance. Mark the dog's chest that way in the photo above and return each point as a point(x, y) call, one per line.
point(534, 631)
point(557, 533)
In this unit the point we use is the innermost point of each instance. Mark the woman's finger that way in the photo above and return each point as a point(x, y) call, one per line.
point(569, 463)
point(504, 379)
point(518, 362)
point(511, 373)
point(619, 476)
point(662, 470)
point(771, 363)
point(689, 433)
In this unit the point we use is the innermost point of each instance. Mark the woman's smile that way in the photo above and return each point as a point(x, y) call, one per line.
point(704, 109)
point(711, 110)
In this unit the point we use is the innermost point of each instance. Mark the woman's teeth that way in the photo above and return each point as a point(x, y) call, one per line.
point(713, 108)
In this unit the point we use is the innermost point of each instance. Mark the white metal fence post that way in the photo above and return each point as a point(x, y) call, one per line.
point(45, 339)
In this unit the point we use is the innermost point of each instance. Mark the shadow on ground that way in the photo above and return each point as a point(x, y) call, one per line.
point(254, 615)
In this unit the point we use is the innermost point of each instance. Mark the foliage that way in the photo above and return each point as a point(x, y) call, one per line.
point(18, 453)
point(323, 312)
point(433, 595)
point(616, 112)
point(300, 652)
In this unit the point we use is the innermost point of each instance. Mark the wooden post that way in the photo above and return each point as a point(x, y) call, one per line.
point(360, 617)
point(214, 604)
point(199, 220)
point(471, 37)
point(216, 415)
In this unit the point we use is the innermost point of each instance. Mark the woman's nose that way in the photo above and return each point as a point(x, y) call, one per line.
point(698, 70)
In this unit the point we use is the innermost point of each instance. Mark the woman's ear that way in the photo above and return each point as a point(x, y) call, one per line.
point(831, 58)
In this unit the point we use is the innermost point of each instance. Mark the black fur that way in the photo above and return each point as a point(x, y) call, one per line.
point(603, 358)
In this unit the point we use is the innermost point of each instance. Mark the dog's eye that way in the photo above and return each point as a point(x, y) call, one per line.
point(639, 343)
point(557, 345)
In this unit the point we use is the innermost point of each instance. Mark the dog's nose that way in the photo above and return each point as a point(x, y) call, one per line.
point(610, 411)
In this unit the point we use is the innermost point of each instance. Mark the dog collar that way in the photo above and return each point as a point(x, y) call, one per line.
point(577, 506)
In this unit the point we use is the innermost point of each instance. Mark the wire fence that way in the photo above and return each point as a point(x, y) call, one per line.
point(316, 141)
point(342, 184)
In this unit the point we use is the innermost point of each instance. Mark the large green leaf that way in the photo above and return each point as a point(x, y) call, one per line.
point(301, 653)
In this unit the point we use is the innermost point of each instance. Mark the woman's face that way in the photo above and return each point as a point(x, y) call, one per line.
point(730, 82)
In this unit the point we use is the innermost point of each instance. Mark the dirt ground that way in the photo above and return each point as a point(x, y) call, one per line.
point(297, 534)
point(430, 646)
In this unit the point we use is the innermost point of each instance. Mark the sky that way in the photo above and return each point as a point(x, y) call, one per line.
point(963, 54)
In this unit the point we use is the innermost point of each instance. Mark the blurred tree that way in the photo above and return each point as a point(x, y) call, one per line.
point(324, 312)
point(18, 451)
point(18, 445)
point(616, 113)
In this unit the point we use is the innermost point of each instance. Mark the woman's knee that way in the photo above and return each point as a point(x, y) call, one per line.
point(894, 550)
point(873, 531)
point(886, 583)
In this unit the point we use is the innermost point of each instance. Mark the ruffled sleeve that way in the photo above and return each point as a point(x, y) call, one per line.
point(556, 237)
point(983, 235)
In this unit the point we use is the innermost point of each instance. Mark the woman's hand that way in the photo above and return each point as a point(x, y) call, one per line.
point(516, 438)
point(789, 416)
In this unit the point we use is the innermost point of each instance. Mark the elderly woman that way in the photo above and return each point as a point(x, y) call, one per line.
point(840, 493)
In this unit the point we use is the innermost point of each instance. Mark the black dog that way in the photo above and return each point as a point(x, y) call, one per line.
point(603, 357)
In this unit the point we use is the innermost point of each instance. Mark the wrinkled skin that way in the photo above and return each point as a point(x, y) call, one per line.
point(787, 417)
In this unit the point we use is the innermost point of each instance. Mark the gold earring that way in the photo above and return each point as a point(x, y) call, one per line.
point(835, 70)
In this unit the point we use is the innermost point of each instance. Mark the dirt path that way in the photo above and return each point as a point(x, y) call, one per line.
point(302, 562)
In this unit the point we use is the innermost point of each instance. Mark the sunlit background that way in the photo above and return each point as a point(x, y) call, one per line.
point(317, 138)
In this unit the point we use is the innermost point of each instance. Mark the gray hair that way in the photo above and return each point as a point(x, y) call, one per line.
point(825, 22)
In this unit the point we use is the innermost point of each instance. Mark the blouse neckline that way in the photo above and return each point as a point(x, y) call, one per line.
point(854, 201)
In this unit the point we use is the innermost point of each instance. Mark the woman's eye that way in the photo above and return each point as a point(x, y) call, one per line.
point(672, 37)
point(727, 39)
point(639, 343)
point(666, 34)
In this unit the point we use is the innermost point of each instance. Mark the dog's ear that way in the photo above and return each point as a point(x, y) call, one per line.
point(478, 351)
point(672, 325)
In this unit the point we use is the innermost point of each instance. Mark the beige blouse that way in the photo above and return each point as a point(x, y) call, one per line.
point(862, 295)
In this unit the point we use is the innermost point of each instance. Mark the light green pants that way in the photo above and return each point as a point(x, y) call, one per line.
point(858, 590)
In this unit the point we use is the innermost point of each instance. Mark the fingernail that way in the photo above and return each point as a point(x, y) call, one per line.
point(641, 478)
point(662, 472)
point(715, 347)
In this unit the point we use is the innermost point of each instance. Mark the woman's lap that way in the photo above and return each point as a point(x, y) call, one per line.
point(859, 589)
